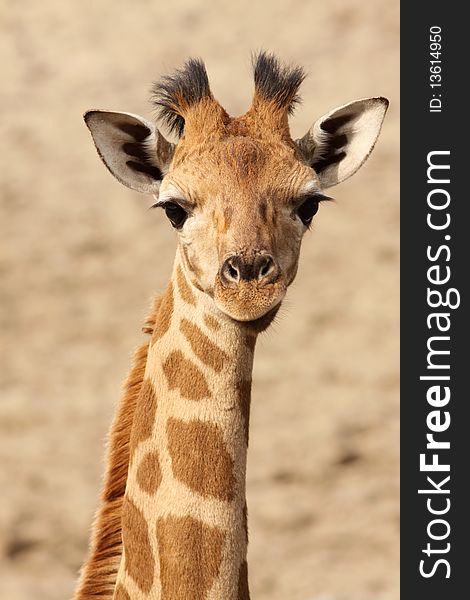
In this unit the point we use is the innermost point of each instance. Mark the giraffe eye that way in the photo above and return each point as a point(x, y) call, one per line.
point(176, 214)
point(307, 210)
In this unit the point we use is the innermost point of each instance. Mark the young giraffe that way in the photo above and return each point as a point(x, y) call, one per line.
point(241, 194)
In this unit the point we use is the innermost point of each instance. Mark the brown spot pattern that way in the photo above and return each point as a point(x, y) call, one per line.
point(140, 564)
point(244, 403)
point(190, 557)
point(207, 352)
point(144, 416)
point(121, 594)
point(183, 374)
point(165, 311)
point(207, 468)
point(243, 591)
point(211, 322)
point(149, 473)
point(183, 286)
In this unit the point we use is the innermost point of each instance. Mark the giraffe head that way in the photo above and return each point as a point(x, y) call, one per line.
point(239, 191)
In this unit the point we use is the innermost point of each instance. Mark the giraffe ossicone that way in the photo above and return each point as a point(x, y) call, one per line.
point(241, 193)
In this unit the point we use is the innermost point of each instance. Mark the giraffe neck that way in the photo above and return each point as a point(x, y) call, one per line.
point(184, 513)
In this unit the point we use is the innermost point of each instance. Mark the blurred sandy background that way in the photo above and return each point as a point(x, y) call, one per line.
point(81, 256)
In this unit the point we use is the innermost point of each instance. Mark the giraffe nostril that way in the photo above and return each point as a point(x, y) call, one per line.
point(232, 272)
point(266, 267)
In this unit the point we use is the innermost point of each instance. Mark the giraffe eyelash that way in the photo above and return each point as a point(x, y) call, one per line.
point(163, 203)
point(316, 196)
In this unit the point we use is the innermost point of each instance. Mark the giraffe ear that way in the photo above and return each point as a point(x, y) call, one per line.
point(131, 147)
point(341, 141)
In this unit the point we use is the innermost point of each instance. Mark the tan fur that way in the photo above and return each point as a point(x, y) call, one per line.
point(204, 120)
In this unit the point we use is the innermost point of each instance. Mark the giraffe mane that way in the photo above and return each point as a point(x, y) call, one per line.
point(98, 577)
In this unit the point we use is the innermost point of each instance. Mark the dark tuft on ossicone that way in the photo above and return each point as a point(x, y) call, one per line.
point(276, 82)
point(175, 93)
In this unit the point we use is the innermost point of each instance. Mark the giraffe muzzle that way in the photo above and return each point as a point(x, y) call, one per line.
point(249, 285)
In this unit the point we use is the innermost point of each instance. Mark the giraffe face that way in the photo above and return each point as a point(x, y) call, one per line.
point(240, 191)
point(240, 206)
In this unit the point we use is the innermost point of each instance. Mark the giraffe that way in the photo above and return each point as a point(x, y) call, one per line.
point(240, 193)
